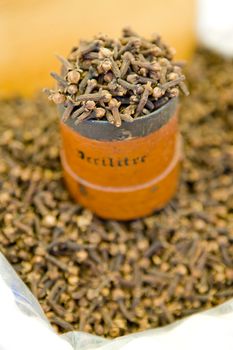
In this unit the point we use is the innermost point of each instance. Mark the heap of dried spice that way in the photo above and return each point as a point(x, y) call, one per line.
point(117, 80)
point(111, 278)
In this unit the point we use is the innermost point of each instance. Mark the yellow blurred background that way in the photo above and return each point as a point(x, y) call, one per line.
point(32, 31)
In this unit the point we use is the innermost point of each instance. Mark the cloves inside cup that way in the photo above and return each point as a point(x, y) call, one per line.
point(134, 70)
point(120, 145)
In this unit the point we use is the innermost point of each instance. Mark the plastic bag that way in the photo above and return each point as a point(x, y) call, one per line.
point(23, 326)
point(215, 25)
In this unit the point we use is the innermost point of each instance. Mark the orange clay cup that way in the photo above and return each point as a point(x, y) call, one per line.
point(127, 172)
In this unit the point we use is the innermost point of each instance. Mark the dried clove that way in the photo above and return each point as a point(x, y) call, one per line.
point(114, 108)
point(144, 98)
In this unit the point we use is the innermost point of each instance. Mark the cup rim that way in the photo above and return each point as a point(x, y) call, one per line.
point(141, 126)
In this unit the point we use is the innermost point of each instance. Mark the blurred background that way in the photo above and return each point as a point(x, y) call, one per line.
point(32, 31)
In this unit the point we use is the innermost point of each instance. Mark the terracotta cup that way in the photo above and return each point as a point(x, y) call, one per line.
point(127, 172)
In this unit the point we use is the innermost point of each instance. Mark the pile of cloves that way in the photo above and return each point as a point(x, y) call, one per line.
point(111, 278)
point(117, 80)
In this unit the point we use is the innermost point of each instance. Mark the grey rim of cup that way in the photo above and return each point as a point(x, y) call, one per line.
point(141, 126)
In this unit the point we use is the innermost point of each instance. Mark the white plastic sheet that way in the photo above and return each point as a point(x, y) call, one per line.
point(23, 326)
point(215, 25)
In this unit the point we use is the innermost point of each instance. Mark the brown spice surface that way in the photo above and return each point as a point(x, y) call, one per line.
point(112, 278)
point(117, 79)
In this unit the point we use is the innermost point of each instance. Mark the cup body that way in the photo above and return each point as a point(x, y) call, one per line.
point(123, 173)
